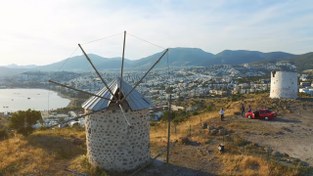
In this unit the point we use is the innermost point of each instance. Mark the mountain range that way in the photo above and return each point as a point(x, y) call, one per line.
point(176, 57)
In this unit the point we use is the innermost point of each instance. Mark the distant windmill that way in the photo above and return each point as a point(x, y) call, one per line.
point(117, 125)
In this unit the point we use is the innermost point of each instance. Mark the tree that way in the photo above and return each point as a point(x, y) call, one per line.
point(22, 121)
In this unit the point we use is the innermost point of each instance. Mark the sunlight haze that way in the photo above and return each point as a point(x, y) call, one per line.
point(44, 32)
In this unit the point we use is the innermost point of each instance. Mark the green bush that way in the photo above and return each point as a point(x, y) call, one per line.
point(177, 116)
point(3, 134)
point(22, 121)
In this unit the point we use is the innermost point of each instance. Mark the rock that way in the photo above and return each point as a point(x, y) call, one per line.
point(211, 127)
point(205, 125)
point(268, 149)
point(255, 144)
point(296, 160)
point(220, 127)
point(305, 164)
point(222, 132)
point(213, 131)
point(185, 140)
point(285, 155)
point(277, 154)
point(266, 134)
point(290, 160)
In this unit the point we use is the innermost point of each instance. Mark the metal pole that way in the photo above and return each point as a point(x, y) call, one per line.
point(169, 129)
point(144, 75)
point(93, 66)
point(78, 90)
point(122, 66)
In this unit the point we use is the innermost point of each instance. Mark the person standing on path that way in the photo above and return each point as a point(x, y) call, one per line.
point(242, 109)
point(222, 112)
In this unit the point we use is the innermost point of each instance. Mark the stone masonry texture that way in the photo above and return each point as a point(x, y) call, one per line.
point(115, 146)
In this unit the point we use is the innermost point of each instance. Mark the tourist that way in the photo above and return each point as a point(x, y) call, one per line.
point(222, 114)
point(242, 109)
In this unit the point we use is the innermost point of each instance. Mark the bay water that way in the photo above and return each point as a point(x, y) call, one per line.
point(12, 100)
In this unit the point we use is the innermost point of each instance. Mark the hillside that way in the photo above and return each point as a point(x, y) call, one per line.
point(81, 64)
point(251, 146)
point(176, 57)
point(244, 56)
point(5, 71)
point(303, 62)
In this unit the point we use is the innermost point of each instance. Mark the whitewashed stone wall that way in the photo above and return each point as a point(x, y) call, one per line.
point(284, 85)
point(112, 144)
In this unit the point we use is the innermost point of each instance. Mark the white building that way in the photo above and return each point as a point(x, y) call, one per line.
point(284, 85)
point(117, 140)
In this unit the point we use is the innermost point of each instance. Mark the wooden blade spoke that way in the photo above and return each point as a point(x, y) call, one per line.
point(122, 65)
point(78, 90)
point(89, 60)
point(144, 75)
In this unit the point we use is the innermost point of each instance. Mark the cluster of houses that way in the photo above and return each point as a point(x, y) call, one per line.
point(306, 87)
point(53, 119)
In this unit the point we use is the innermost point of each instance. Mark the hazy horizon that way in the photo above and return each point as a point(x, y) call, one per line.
point(45, 32)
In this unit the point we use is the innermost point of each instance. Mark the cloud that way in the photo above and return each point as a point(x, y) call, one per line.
point(42, 32)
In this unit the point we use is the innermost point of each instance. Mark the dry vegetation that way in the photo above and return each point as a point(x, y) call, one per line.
point(45, 152)
point(194, 150)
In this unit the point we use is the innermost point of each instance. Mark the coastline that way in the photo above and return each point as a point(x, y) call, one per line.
point(41, 99)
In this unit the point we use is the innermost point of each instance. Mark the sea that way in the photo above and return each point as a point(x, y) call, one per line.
point(12, 100)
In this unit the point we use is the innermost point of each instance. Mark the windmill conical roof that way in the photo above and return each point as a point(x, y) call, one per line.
point(135, 100)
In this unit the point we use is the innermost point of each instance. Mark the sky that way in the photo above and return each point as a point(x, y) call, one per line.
point(43, 32)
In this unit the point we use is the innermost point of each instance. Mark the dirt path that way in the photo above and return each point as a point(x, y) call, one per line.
point(291, 134)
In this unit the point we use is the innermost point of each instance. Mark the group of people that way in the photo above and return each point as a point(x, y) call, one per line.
point(243, 110)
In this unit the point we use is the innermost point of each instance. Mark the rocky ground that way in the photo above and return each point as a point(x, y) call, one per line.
point(291, 134)
point(286, 140)
point(252, 147)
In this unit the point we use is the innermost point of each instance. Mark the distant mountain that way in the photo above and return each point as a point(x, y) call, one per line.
point(244, 56)
point(21, 66)
point(176, 57)
point(198, 57)
point(81, 64)
point(5, 71)
point(303, 62)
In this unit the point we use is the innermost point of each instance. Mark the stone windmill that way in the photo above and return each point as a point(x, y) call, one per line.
point(116, 121)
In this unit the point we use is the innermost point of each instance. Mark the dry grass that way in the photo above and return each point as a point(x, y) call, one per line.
point(42, 153)
point(19, 158)
point(49, 152)
point(80, 164)
point(253, 165)
point(242, 157)
point(243, 165)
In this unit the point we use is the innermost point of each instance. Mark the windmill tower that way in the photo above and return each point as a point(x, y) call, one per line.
point(284, 85)
point(114, 143)
point(116, 121)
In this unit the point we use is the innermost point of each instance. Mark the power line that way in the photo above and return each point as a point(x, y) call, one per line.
point(72, 53)
point(146, 41)
point(102, 38)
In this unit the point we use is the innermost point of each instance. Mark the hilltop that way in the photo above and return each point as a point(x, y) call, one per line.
point(176, 57)
point(251, 146)
point(303, 62)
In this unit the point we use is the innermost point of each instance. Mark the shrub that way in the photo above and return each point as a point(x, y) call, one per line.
point(22, 121)
point(3, 134)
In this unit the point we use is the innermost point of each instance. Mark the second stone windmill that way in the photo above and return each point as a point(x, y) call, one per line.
point(117, 125)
